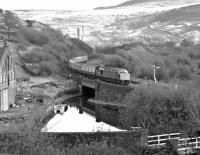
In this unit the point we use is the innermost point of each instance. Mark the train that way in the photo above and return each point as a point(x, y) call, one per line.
point(109, 74)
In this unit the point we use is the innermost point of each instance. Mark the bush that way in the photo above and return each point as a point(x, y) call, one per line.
point(114, 61)
point(98, 149)
point(157, 109)
point(49, 49)
point(145, 73)
point(184, 72)
point(35, 37)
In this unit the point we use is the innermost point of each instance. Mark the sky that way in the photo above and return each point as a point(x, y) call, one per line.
point(56, 4)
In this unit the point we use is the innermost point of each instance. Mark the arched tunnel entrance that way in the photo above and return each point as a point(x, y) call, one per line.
point(87, 92)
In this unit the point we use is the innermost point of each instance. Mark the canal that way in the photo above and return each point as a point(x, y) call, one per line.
point(82, 117)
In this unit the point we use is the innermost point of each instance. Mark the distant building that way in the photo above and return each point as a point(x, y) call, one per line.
point(21, 24)
point(75, 31)
point(35, 24)
point(7, 78)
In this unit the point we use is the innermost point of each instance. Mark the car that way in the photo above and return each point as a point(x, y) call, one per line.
point(60, 109)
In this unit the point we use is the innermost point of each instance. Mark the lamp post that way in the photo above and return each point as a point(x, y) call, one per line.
point(154, 72)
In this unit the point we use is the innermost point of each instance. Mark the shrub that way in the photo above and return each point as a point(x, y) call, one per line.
point(47, 68)
point(114, 61)
point(35, 37)
point(157, 109)
point(98, 149)
point(194, 54)
point(184, 72)
point(145, 73)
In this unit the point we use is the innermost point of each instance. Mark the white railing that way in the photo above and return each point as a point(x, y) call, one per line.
point(159, 140)
point(186, 145)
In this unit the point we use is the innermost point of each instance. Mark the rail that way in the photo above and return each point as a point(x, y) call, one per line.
point(184, 145)
point(159, 140)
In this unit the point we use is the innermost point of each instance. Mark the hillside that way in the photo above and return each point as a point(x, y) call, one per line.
point(42, 50)
point(185, 13)
point(127, 3)
point(135, 2)
point(173, 25)
point(175, 62)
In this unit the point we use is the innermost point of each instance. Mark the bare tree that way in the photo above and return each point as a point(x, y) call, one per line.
point(10, 21)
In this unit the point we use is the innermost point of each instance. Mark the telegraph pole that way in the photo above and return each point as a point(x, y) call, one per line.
point(154, 72)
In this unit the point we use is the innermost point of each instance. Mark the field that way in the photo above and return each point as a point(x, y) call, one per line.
point(121, 25)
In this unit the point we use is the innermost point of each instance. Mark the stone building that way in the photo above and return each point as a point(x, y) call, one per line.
point(7, 78)
point(76, 31)
point(35, 24)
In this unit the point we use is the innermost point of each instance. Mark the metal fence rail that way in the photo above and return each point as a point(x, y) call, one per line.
point(185, 145)
point(159, 140)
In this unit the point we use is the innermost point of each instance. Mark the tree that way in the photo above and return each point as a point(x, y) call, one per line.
point(186, 43)
point(10, 21)
point(157, 109)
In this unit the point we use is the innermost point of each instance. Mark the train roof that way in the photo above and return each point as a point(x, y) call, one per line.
point(116, 69)
point(79, 59)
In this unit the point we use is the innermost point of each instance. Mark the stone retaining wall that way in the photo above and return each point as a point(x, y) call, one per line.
point(111, 92)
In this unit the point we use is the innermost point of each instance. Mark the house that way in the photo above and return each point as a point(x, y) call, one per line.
point(7, 78)
point(21, 24)
point(35, 24)
point(76, 31)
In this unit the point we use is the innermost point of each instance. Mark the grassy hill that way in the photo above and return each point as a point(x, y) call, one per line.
point(173, 25)
point(47, 51)
point(185, 13)
point(43, 51)
point(127, 3)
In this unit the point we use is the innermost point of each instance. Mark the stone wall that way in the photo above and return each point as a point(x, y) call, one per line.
point(109, 92)
point(130, 138)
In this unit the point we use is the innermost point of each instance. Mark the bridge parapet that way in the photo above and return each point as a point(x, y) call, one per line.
point(89, 83)
point(111, 92)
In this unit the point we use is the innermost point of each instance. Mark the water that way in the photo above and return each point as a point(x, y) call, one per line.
point(75, 121)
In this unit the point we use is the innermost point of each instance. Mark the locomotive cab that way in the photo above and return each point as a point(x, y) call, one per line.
point(124, 76)
point(113, 74)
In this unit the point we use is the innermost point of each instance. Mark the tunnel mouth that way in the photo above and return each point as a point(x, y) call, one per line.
point(88, 92)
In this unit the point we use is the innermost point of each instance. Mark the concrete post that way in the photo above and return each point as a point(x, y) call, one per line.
point(81, 106)
point(96, 91)
point(97, 113)
point(80, 90)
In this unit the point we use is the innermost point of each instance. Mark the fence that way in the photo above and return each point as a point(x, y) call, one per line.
point(185, 145)
point(159, 140)
point(188, 145)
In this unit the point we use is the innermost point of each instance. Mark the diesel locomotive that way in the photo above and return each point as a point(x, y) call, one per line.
point(110, 74)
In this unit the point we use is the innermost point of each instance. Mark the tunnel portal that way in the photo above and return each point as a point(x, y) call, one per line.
point(88, 92)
